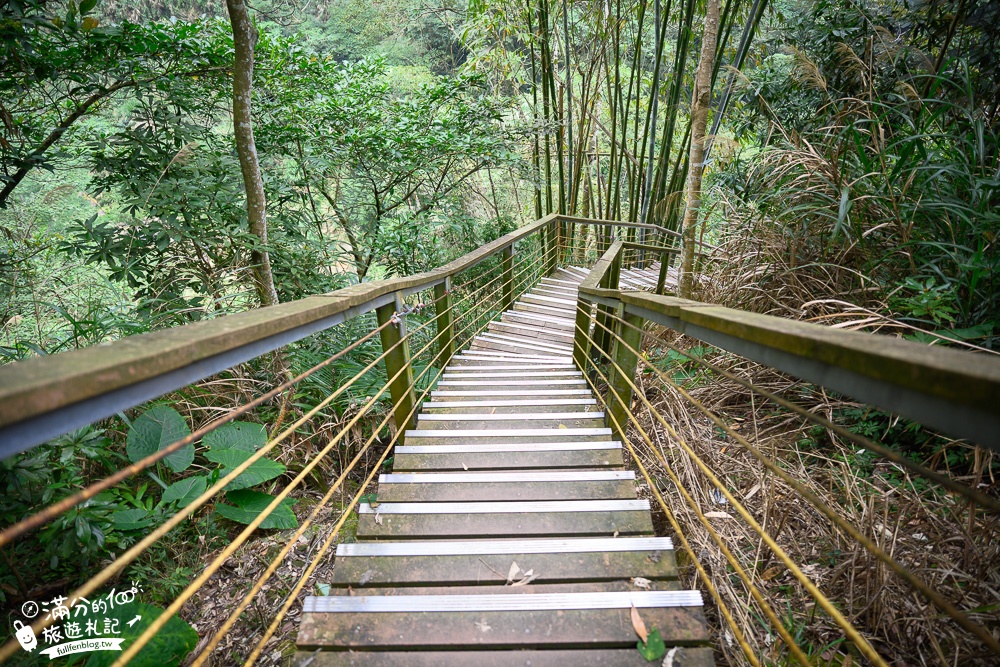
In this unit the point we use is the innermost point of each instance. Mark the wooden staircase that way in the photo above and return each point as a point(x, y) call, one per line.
point(509, 532)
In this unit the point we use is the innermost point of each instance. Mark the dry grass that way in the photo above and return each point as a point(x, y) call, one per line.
point(929, 532)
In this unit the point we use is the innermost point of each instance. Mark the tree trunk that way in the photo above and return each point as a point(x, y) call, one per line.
point(244, 40)
point(700, 101)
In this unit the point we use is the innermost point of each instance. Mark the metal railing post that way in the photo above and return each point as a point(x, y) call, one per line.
point(602, 332)
point(445, 320)
point(507, 268)
point(619, 397)
point(661, 280)
point(550, 244)
point(580, 333)
point(398, 358)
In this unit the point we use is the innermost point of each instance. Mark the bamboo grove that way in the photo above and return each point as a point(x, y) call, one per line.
point(608, 86)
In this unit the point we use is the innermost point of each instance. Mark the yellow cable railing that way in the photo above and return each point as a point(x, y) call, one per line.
point(621, 342)
point(461, 312)
point(617, 349)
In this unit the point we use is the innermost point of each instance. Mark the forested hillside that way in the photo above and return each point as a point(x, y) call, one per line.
point(838, 162)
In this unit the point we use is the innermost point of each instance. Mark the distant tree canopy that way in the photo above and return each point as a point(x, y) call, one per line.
point(355, 172)
point(60, 64)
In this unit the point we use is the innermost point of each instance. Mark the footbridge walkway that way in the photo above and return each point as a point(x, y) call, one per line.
point(497, 483)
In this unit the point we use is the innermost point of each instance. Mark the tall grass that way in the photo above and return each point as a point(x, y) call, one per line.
point(890, 203)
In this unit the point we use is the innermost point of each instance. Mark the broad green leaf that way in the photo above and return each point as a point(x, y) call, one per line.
point(971, 333)
point(169, 646)
point(259, 471)
point(131, 519)
point(185, 491)
point(251, 503)
point(653, 648)
point(237, 435)
point(87, 5)
point(157, 428)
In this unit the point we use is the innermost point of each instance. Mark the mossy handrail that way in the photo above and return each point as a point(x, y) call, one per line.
point(955, 391)
point(43, 397)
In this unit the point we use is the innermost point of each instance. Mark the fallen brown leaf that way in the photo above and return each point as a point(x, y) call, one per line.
point(638, 625)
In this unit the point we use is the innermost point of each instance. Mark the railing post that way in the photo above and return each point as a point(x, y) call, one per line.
point(661, 280)
point(445, 320)
point(507, 268)
point(619, 397)
point(602, 332)
point(580, 333)
point(559, 243)
point(401, 389)
point(615, 272)
point(550, 246)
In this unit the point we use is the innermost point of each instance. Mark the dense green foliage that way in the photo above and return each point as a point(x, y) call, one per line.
point(854, 178)
point(863, 153)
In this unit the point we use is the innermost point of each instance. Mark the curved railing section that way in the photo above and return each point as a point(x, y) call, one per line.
point(653, 358)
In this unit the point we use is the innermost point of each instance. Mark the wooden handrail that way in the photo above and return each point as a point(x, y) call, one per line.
point(955, 391)
point(95, 382)
point(137, 368)
point(633, 225)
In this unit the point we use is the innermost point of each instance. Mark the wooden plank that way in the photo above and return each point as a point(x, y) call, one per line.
point(477, 394)
point(451, 374)
point(385, 522)
point(626, 657)
point(531, 319)
point(509, 460)
point(531, 331)
point(526, 342)
point(496, 491)
point(500, 406)
point(601, 628)
point(506, 436)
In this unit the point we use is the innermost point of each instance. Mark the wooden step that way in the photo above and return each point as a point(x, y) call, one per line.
point(508, 456)
point(443, 436)
point(560, 281)
point(559, 518)
point(550, 301)
point(499, 621)
point(557, 292)
point(500, 486)
point(625, 657)
point(544, 310)
point(536, 320)
point(531, 331)
point(446, 420)
point(487, 368)
point(479, 393)
point(512, 406)
point(488, 562)
point(479, 373)
point(474, 358)
point(518, 343)
point(495, 356)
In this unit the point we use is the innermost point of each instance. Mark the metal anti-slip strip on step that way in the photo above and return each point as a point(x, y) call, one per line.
point(508, 447)
point(474, 373)
point(510, 416)
point(529, 403)
point(494, 477)
point(575, 545)
point(501, 383)
point(507, 432)
point(502, 602)
point(511, 367)
point(526, 392)
point(516, 507)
